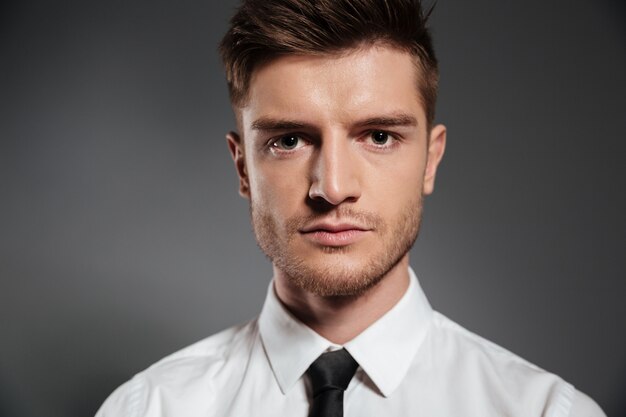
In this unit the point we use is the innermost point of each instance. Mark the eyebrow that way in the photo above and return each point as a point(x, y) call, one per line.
point(269, 124)
point(399, 119)
point(395, 119)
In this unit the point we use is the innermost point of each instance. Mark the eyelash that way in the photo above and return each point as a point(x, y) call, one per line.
point(393, 141)
point(273, 147)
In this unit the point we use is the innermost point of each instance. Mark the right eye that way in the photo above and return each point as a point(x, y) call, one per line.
point(287, 143)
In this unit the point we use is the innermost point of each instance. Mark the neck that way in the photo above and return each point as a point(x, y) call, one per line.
point(341, 318)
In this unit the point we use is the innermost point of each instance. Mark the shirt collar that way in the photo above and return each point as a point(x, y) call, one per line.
point(289, 344)
point(385, 350)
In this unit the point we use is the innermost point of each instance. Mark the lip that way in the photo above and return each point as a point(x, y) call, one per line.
point(334, 234)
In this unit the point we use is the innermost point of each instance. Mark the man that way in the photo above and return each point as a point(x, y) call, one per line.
point(336, 147)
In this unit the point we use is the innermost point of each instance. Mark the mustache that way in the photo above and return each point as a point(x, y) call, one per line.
point(341, 214)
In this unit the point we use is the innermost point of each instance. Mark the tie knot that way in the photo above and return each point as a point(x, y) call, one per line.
point(332, 370)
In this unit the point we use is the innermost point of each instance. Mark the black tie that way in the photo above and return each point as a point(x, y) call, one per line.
point(330, 375)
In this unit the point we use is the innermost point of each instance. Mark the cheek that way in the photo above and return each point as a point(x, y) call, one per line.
point(277, 187)
point(400, 179)
point(396, 197)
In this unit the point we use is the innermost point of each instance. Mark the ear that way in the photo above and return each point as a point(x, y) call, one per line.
point(235, 146)
point(436, 148)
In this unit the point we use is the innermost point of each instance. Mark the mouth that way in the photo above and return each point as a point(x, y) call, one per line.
point(334, 234)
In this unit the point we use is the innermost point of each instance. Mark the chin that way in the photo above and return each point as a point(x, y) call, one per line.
point(333, 276)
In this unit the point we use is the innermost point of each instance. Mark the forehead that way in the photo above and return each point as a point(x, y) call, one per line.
point(335, 88)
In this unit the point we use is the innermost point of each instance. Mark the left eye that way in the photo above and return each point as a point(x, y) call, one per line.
point(379, 137)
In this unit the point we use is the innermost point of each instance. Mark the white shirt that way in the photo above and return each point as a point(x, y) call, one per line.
point(413, 361)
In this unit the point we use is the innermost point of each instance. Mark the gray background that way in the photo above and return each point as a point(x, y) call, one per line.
point(123, 239)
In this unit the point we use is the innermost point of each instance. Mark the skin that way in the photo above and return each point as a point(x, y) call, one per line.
point(337, 141)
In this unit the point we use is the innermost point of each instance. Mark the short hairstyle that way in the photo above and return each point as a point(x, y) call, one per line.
point(263, 30)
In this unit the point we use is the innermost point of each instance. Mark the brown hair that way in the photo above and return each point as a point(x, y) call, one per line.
point(262, 30)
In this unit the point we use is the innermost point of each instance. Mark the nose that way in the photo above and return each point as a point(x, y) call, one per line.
point(335, 173)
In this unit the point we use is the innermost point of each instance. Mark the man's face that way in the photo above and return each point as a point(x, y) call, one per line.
point(335, 158)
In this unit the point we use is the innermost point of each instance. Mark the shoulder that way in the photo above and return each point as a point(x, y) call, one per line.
point(468, 346)
point(583, 406)
point(512, 383)
point(492, 358)
point(207, 355)
point(191, 368)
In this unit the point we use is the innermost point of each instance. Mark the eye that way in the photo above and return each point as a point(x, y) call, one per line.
point(287, 142)
point(379, 137)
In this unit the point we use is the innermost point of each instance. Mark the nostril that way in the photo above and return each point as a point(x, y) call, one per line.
point(319, 204)
point(322, 204)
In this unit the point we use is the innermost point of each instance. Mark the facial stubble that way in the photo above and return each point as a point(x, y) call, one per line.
point(333, 278)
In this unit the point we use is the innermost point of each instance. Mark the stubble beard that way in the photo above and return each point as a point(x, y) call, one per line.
point(336, 279)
